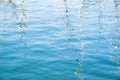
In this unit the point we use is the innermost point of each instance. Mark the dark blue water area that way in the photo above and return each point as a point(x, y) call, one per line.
point(60, 40)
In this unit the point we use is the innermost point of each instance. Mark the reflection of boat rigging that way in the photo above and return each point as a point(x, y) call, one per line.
point(22, 24)
point(116, 44)
point(73, 32)
point(81, 51)
point(66, 26)
point(101, 8)
point(8, 12)
point(11, 18)
point(8, 16)
point(66, 15)
point(115, 41)
point(100, 27)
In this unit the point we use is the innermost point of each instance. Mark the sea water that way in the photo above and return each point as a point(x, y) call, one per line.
point(60, 40)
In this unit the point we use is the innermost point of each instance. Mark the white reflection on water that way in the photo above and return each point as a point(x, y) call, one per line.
point(81, 57)
point(7, 15)
point(68, 29)
point(22, 25)
point(115, 41)
point(13, 13)
point(8, 12)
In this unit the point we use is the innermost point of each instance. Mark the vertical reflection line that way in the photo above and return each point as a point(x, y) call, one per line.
point(116, 31)
point(100, 15)
point(4, 18)
point(67, 27)
point(117, 21)
point(22, 25)
point(7, 10)
point(66, 17)
point(67, 22)
point(81, 56)
point(101, 10)
point(2, 22)
point(115, 39)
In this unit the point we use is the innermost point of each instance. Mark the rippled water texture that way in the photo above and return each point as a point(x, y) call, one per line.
point(60, 40)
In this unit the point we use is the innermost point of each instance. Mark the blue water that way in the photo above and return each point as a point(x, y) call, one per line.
point(60, 40)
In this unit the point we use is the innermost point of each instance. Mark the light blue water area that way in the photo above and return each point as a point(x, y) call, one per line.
point(60, 40)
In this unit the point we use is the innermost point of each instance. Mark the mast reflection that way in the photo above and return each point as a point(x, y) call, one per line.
point(7, 16)
point(22, 25)
point(11, 18)
point(115, 41)
point(80, 58)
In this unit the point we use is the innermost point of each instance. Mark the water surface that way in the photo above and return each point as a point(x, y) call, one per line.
point(60, 40)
